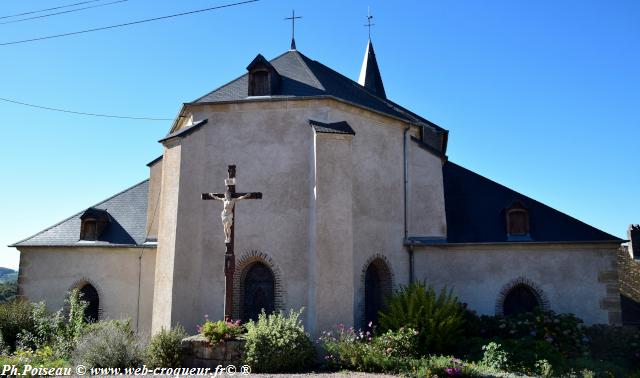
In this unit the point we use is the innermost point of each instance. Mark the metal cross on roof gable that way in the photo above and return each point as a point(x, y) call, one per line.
point(293, 28)
point(369, 24)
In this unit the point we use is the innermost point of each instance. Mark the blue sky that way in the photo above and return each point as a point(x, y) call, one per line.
point(540, 96)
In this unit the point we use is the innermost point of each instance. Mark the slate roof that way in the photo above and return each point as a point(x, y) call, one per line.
point(128, 211)
point(475, 208)
point(304, 77)
point(332, 128)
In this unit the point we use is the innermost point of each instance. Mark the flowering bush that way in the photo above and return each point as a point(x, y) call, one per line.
point(347, 348)
point(564, 332)
point(220, 330)
point(614, 343)
point(443, 366)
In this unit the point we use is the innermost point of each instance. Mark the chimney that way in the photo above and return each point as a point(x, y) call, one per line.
point(634, 244)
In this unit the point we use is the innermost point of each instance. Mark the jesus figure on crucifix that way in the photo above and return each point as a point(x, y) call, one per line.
point(228, 203)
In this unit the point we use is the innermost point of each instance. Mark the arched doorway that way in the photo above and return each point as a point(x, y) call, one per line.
point(377, 285)
point(259, 292)
point(519, 300)
point(89, 294)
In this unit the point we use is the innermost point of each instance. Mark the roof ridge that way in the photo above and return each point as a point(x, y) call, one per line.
point(78, 213)
point(300, 57)
point(362, 89)
point(534, 200)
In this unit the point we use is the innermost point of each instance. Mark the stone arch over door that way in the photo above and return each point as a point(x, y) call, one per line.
point(254, 270)
point(91, 293)
point(376, 283)
point(520, 295)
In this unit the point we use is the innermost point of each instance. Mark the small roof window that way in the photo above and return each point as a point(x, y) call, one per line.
point(263, 78)
point(93, 223)
point(517, 222)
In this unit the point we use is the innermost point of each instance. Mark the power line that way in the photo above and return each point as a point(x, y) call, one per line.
point(48, 9)
point(62, 12)
point(83, 113)
point(128, 23)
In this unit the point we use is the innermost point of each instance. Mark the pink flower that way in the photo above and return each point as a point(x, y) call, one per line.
point(370, 324)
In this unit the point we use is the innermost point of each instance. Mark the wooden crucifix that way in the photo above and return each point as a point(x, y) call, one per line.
point(229, 199)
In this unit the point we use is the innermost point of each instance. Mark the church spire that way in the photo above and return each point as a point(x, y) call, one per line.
point(370, 77)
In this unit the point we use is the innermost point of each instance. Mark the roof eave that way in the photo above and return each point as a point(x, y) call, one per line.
point(319, 97)
point(441, 243)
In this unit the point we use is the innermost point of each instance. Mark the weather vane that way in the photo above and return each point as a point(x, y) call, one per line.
point(293, 28)
point(369, 18)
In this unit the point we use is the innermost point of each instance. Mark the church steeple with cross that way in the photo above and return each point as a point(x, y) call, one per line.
point(370, 77)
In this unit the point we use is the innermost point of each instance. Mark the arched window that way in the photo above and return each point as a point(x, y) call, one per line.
point(377, 285)
point(519, 300)
point(517, 222)
point(89, 294)
point(259, 292)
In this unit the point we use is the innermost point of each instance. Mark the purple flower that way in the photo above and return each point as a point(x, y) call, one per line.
point(452, 372)
point(370, 324)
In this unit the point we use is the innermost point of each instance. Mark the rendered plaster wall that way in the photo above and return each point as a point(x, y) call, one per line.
point(155, 181)
point(166, 252)
point(333, 226)
point(378, 194)
point(48, 273)
point(579, 279)
point(426, 213)
point(270, 148)
point(272, 145)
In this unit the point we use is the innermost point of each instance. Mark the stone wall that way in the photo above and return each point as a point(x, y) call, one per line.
point(629, 271)
point(197, 352)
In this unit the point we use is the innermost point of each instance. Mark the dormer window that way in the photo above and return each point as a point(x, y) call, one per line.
point(93, 224)
point(263, 78)
point(517, 222)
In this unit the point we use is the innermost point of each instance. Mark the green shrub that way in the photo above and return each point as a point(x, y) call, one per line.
point(438, 318)
point(108, 344)
point(44, 357)
point(164, 349)
point(494, 356)
point(277, 343)
point(52, 329)
point(221, 330)
point(361, 351)
point(15, 317)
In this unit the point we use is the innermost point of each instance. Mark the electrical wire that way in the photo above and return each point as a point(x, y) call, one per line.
point(128, 23)
point(48, 9)
point(62, 12)
point(83, 113)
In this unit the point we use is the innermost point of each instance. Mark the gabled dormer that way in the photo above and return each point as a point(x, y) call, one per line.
point(93, 223)
point(264, 80)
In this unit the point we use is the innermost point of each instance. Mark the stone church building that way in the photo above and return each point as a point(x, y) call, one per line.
point(359, 198)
